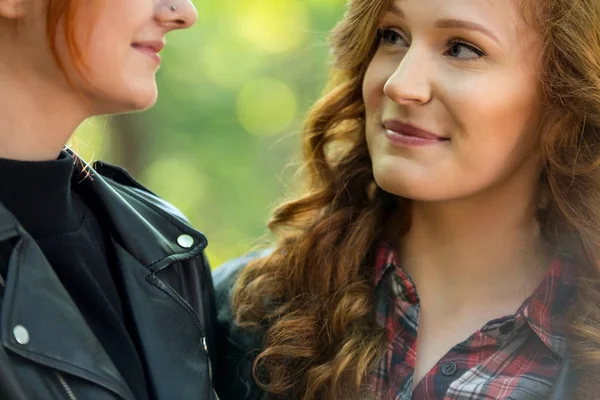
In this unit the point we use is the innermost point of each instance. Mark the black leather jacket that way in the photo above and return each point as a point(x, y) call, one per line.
point(49, 352)
point(237, 348)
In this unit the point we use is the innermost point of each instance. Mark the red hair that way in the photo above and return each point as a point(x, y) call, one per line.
point(64, 11)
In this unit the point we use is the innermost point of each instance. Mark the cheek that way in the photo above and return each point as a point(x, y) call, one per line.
point(496, 124)
point(118, 78)
point(492, 121)
point(376, 76)
point(369, 91)
point(107, 28)
point(497, 119)
point(372, 92)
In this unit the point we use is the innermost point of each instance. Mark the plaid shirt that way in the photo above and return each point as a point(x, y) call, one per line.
point(516, 357)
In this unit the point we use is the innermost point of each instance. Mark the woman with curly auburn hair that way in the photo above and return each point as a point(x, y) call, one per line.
point(447, 245)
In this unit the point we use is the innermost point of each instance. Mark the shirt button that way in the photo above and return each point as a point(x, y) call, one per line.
point(449, 369)
point(21, 334)
point(185, 241)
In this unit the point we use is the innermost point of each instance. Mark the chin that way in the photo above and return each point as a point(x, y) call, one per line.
point(125, 101)
point(144, 103)
point(143, 98)
point(412, 188)
point(135, 103)
point(423, 189)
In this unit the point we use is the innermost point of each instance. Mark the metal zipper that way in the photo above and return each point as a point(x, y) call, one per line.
point(205, 347)
point(210, 371)
point(65, 386)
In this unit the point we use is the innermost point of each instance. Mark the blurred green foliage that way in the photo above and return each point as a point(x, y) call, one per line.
point(222, 143)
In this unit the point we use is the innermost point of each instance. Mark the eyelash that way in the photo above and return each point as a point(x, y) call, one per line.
point(382, 31)
point(467, 45)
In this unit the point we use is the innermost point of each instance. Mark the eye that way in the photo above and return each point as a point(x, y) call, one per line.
point(463, 51)
point(390, 37)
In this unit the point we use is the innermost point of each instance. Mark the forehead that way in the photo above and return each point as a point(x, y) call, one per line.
point(499, 15)
point(503, 18)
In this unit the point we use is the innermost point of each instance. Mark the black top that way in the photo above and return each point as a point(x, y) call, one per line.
point(51, 201)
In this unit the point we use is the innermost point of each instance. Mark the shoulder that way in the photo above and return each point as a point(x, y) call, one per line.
point(224, 278)
point(134, 192)
point(237, 347)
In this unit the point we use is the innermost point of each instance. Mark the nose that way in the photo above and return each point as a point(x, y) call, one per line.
point(176, 14)
point(410, 84)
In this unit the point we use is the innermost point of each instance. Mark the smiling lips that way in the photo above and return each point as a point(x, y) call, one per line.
point(150, 48)
point(403, 134)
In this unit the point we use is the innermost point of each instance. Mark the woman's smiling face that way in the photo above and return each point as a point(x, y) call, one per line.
point(120, 40)
point(452, 98)
point(115, 68)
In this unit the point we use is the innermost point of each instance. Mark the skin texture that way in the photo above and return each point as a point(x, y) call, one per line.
point(42, 103)
point(473, 249)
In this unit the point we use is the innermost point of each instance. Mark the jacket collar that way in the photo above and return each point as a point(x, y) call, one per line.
point(138, 216)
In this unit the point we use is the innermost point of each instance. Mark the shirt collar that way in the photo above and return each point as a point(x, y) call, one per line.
point(386, 258)
point(545, 310)
point(39, 195)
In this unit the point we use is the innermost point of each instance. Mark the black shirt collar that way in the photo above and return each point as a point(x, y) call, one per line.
point(39, 195)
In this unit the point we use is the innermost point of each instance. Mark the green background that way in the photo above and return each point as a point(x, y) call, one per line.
point(223, 141)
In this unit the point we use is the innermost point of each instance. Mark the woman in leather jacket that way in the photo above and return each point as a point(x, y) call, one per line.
point(104, 289)
point(447, 245)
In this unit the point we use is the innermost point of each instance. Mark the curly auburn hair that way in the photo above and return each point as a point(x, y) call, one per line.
point(321, 339)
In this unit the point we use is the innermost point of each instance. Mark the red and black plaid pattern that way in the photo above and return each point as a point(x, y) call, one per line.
point(516, 357)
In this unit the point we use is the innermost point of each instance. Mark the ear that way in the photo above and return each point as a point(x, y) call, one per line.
point(12, 9)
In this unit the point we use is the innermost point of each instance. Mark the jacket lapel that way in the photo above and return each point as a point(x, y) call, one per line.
point(170, 334)
point(40, 322)
point(148, 235)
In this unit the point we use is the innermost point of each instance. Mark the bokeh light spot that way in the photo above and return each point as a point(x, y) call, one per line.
point(266, 106)
point(220, 62)
point(175, 179)
point(273, 25)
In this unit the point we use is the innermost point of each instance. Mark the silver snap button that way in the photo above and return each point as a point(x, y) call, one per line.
point(21, 334)
point(185, 241)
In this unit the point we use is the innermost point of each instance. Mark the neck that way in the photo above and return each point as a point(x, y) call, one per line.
point(38, 114)
point(489, 244)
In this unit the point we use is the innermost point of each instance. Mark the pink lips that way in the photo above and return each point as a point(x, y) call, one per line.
point(150, 48)
point(403, 134)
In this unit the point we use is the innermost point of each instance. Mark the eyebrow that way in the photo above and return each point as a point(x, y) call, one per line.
point(396, 10)
point(472, 26)
point(452, 24)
